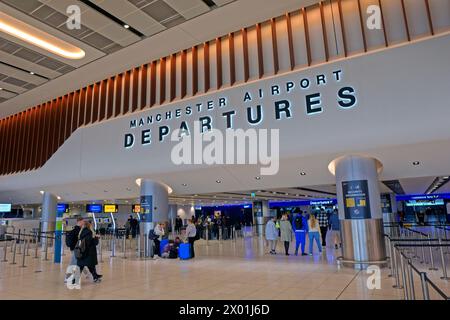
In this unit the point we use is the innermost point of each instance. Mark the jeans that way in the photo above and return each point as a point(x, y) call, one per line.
point(300, 239)
point(314, 236)
point(73, 259)
point(286, 247)
point(323, 231)
point(272, 244)
point(191, 242)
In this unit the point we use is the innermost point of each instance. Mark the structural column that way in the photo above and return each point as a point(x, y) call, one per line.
point(359, 206)
point(154, 209)
point(261, 214)
point(173, 208)
point(48, 218)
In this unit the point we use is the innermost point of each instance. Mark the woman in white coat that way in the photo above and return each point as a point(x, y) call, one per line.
point(272, 234)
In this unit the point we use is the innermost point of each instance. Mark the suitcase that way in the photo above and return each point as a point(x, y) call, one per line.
point(163, 243)
point(184, 251)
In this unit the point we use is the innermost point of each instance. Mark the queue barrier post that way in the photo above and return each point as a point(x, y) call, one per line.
point(14, 253)
point(405, 285)
point(431, 256)
point(5, 249)
point(412, 292)
point(124, 247)
point(424, 284)
point(46, 249)
point(24, 255)
point(444, 265)
point(396, 273)
point(113, 246)
point(19, 251)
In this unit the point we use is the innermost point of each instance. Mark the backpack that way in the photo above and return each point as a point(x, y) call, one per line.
point(298, 223)
point(80, 248)
point(152, 235)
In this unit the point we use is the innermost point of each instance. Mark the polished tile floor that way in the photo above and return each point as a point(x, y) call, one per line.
point(228, 270)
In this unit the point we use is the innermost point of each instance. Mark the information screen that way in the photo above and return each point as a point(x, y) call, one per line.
point(62, 208)
point(356, 199)
point(94, 208)
point(136, 208)
point(5, 207)
point(110, 208)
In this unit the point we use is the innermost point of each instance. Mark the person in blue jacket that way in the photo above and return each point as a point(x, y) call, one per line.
point(335, 228)
point(300, 226)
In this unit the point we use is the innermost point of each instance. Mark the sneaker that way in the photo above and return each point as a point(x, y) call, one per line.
point(304, 254)
point(310, 254)
point(336, 246)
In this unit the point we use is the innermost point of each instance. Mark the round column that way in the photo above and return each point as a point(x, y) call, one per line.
point(154, 209)
point(360, 213)
point(48, 217)
point(173, 208)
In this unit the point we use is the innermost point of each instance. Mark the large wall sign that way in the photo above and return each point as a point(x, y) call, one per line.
point(356, 199)
point(279, 100)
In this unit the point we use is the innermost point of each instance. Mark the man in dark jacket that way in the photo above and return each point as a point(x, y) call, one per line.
point(71, 242)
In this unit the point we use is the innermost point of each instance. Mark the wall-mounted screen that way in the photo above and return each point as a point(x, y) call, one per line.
point(5, 207)
point(136, 208)
point(94, 208)
point(110, 208)
point(62, 208)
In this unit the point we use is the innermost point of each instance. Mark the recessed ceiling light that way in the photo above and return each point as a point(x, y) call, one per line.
point(184, 184)
point(218, 181)
point(31, 72)
point(416, 163)
point(128, 189)
point(42, 192)
point(126, 26)
point(39, 38)
point(258, 178)
point(303, 173)
point(58, 197)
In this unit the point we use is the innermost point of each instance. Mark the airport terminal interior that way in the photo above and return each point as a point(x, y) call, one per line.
point(183, 150)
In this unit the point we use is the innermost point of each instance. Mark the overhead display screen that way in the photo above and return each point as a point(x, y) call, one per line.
point(5, 207)
point(94, 208)
point(110, 208)
point(136, 208)
point(62, 208)
point(424, 203)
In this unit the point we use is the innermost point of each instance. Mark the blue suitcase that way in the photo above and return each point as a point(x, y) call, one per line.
point(184, 251)
point(163, 243)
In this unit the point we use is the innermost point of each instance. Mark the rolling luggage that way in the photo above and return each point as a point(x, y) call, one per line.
point(163, 243)
point(184, 252)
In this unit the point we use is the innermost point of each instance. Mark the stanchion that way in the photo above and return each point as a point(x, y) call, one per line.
point(412, 293)
point(24, 255)
point(390, 258)
point(424, 284)
point(14, 253)
point(207, 236)
point(124, 247)
point(444, 266)
point(113, 246)
point(234, 233)
point(220, 235)
point(396, 273)
point(63, 244)
point(402, 267)
point(5, 249)
point(138, 246)
point(101, 250)
point(36, 247)
point(431, 256)
point(46, 249)
point(423, 250)
point(19, 251)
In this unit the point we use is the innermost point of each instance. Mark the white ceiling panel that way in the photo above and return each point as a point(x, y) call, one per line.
point(188, 8)
point(131, 15)
point(11, 87)
point(27, 65)
point(22, 75)
point(6, 94)
point(416, 185)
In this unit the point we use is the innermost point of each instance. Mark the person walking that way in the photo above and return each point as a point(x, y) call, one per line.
point(71, 242)
point(313, 233)
point(300, 230)
point(159, 232)
point(191, 233)
point(335, 229)
point(272, 234)
point(89, 240)
point(322, 217)
point(285, 232)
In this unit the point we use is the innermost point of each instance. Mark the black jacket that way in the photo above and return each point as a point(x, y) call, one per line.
point(72, 237)
point(90, 256)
